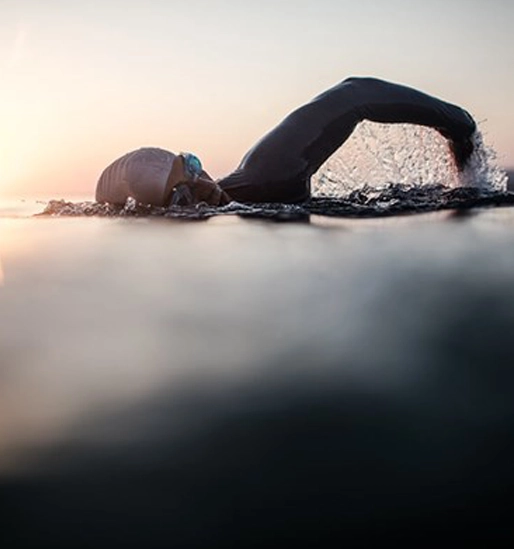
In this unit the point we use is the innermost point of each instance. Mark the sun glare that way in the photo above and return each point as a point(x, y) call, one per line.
point(12, 167)
point(4, 175)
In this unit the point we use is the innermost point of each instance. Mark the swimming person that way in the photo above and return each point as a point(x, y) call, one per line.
point(279, 167)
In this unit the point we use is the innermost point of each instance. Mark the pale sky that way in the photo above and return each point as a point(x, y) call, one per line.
point(81, 83)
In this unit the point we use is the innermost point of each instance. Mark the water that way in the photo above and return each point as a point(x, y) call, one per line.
point(21, 208)
point(206, 384)
point(235, 382)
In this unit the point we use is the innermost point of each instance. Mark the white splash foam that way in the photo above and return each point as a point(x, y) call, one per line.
point(377, 155)
point(482, 170)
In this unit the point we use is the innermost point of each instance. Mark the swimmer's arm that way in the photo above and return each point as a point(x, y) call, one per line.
point(329, 120)
point(452, 122)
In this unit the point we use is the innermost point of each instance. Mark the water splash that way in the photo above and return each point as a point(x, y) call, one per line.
point(365, 201)
point(482, 169)
point(378, 155)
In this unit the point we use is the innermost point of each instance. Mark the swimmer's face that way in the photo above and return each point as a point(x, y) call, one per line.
point(189, 184)
point(203, 190)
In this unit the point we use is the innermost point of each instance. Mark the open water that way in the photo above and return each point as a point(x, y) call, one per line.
point(339, 379)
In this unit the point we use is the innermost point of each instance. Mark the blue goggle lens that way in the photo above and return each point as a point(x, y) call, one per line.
point(192, 165)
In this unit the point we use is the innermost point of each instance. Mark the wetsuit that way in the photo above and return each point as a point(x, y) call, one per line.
point(279, 167)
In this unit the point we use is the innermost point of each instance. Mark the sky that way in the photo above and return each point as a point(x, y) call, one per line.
point(82, 83)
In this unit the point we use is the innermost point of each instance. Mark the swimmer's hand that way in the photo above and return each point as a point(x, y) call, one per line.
point(463, 146)
point(462, 150)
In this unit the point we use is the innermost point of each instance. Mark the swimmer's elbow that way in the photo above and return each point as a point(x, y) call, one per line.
point(359, 80)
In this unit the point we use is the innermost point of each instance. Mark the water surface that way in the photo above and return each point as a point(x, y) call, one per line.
point(233, 379)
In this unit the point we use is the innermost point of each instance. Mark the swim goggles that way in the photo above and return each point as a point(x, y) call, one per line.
point(192, 166)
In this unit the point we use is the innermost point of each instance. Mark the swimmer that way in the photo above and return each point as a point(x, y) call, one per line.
point(279, 167)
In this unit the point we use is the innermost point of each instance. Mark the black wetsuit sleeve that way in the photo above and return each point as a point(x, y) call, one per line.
point(384, 102)
point(279, 166)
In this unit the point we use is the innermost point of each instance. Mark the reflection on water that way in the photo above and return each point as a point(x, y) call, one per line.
point(234, 382)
